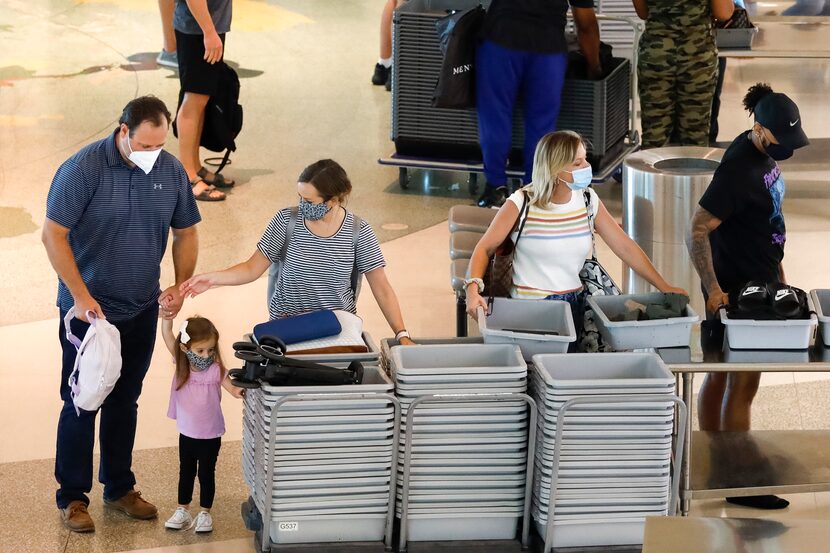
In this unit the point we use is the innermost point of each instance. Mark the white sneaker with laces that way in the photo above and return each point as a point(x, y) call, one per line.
point(181, 519)
point(204, 522)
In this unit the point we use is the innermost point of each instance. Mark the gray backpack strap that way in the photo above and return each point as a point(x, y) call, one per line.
point(294, 214)
point(274, 270)
point(356, 276)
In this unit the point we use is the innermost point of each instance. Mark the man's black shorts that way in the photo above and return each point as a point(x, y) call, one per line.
point(195, 74)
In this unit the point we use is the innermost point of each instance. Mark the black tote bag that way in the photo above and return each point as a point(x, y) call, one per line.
point(459, 35)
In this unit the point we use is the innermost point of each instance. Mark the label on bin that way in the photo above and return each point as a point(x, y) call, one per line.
point(289, 526)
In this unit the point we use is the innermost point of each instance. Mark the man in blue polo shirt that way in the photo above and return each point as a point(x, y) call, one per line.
point(109, 211)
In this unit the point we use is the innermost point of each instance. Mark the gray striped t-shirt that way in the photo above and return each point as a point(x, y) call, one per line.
point(317, 271)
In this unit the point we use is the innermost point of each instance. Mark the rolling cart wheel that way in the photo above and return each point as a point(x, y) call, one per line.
point(403, 178)
point(472, 184)
point(618, 175)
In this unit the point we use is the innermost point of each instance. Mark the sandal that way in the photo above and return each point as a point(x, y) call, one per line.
point(218, 180)
point(206, 194)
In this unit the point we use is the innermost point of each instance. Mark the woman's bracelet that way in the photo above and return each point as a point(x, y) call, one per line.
point(402, 334)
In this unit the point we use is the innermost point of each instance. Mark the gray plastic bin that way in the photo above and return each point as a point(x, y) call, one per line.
point(454, 356)
point(626, 335)
point(581, 370)
point(735, 38)
point(387, 344)
point(821, 303)
point(752, 334)
point(510, 316)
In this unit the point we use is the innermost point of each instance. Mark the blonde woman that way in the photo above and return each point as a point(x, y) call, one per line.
point(557, 234)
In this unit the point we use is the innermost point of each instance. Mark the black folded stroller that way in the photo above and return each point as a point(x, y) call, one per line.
point(267, 363)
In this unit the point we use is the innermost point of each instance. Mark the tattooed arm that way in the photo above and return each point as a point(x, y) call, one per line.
point(700, 250)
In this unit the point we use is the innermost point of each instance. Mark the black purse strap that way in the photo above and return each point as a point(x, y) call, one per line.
point(523, 213)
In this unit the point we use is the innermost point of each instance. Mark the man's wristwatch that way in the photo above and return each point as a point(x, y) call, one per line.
point(479, 282)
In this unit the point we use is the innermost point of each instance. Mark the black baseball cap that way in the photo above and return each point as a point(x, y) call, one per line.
point(778, 113)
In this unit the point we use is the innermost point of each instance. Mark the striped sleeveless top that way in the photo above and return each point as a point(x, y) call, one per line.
point(555, 242)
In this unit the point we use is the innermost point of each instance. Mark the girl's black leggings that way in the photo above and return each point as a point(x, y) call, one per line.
point(198, 457)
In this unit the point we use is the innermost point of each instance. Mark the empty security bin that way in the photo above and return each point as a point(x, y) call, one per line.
point(536, 326)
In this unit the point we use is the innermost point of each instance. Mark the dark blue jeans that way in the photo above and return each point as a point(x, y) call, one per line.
point(502, 77)
point(577, 301)
point(76, 434)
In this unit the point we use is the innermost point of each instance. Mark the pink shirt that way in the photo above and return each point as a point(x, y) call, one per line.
point(196, 406)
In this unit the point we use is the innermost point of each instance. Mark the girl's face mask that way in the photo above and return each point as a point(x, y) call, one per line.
point(198, 363)
point(313, 212)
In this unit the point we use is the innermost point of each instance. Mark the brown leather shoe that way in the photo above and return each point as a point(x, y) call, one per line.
point(76, 518)
point(133, 506)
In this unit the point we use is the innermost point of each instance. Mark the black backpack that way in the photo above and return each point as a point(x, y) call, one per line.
point(223, 115)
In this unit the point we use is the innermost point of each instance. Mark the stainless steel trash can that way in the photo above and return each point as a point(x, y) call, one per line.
point(661, 188)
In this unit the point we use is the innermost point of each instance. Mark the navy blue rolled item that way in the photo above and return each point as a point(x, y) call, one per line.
point(301, 328)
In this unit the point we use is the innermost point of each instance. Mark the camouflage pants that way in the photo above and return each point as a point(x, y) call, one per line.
point(677, 73)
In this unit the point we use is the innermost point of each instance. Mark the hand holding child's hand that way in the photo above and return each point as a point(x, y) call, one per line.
point(165, 300)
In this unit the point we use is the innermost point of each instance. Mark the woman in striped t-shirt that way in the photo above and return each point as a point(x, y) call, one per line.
point(557, 234)
point(317, 271)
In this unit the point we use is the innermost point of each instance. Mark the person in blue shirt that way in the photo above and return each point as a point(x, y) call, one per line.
point(109, 213)
point(524, 54)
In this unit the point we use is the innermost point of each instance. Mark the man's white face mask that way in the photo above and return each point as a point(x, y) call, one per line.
point(144, 159)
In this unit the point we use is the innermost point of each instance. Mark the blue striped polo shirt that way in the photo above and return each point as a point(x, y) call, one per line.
point(119, 219)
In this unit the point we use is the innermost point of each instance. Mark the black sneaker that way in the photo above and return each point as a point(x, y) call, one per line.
point(766, 502)
point(494, 196)
point(381, 75)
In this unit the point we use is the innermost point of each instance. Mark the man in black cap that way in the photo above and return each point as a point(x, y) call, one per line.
point(737, 235)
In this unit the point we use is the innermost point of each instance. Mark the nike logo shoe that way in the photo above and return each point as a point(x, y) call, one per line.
point(783, 294)
point(793, 123)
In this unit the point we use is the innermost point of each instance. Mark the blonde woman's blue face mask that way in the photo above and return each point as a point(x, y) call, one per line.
point(582, 178)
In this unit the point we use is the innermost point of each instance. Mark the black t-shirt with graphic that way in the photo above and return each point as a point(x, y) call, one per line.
point(746, 193)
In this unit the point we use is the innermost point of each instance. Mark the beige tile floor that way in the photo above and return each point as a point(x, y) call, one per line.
point(66, 69)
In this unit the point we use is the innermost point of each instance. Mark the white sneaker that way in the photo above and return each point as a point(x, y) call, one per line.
point(181, 519)
point(204, 522)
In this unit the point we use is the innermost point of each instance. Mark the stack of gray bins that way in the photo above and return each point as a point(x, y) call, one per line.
point(331, 468)
point(614, 464)
point(469, 459)
point(598, 110)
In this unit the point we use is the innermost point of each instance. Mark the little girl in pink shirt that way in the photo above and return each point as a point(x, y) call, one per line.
point(195, 396)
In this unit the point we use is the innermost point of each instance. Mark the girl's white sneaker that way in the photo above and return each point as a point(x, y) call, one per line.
point(181, 519)
point(204, 522)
